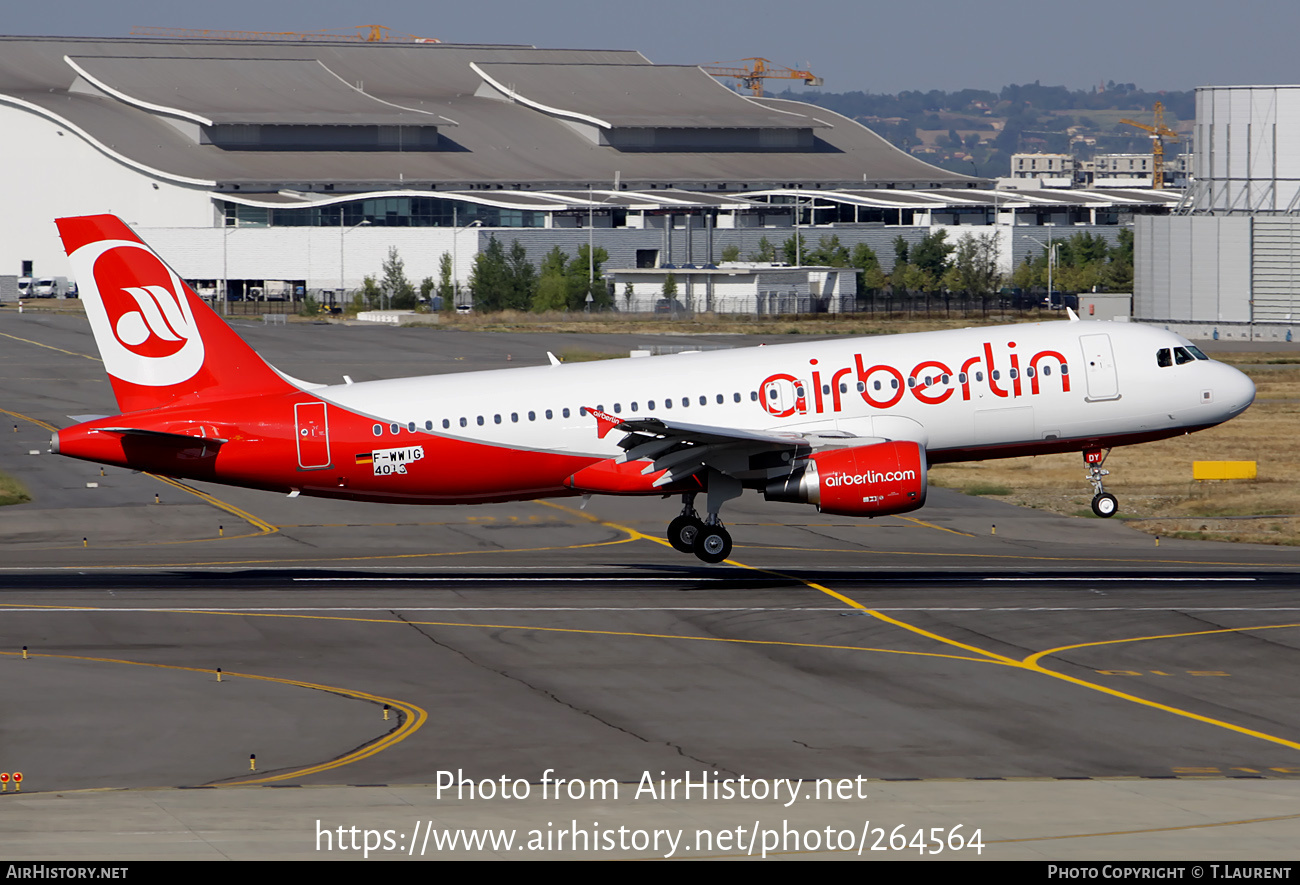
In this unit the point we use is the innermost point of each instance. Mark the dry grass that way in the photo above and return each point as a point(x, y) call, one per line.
point(723, 324)
point(1154, 484)
point(12, 491)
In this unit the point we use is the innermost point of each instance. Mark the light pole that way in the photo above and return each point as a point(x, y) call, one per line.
point(1051, 261)
point(455, 267)
point(343, 232)
point(225, 269)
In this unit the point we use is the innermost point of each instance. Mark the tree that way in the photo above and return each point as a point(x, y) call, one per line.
point(446, 290)
point(583, 275)
point(731, 253)
point(901, 250)
point(975, 266)
point(489, 278)
point(552, 286)
point(670, 286)
point(521, 279)
point(766, 251)
point(871, 278)
point(1118, 276)
point(401, 294)
point(370, 293)
point(427, 285)
point(795, 254)
point(931, 254)
point(829, 253)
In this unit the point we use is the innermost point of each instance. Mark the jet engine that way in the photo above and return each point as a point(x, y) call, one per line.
point(874, 480)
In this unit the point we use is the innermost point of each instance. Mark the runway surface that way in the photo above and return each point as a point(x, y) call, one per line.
point(1066, 686)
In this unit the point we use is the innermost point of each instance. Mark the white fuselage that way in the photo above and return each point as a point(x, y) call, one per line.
point(991, 391)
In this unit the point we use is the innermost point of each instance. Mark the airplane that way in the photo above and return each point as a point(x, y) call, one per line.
point(849, 426)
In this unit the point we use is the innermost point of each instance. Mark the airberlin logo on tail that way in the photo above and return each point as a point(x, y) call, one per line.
point(139, 312)
point(157, 329)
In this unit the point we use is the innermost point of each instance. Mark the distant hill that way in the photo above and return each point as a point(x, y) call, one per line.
point(975, 131)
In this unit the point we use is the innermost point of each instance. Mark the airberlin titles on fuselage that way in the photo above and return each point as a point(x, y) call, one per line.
point(882, 386)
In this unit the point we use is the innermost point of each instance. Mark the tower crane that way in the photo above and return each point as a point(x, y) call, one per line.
point(751, 76)
point(362, 33)
point(1159, 132)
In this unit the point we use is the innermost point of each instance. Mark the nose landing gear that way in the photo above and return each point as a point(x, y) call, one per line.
point(1104, 504)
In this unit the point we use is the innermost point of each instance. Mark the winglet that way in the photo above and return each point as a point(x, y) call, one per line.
point(605, 422)
point(555, 361)
point(1074, 317)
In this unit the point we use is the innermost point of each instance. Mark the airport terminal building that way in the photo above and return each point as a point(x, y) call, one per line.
point(259, 166)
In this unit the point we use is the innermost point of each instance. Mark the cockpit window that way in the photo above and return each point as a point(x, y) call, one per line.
point(1196, 352)
point(1163, 359)
point(1181, 356)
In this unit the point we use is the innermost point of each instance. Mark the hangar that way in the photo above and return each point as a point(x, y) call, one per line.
point(303, 163)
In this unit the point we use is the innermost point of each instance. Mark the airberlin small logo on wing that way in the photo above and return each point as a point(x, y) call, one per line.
point(139, 312)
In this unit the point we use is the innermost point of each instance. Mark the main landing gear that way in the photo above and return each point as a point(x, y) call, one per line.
point(707, 538)
point(1103, 503)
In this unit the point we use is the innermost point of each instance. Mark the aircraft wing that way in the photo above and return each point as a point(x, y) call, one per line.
point(682, 450)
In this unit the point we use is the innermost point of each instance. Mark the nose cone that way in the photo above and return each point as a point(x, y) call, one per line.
point(1235, 390)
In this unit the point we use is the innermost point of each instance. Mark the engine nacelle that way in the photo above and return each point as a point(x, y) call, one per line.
point(875, 480)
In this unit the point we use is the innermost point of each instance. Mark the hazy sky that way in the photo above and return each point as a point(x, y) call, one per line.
point(865, 45)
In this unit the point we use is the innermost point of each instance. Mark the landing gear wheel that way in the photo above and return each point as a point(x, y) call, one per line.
point(682, 532)
point(1105, 505)
point(713, 543)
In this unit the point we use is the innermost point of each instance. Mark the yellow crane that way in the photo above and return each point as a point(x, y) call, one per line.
point(361, 33)
point(1159, 132)
point(751, 76)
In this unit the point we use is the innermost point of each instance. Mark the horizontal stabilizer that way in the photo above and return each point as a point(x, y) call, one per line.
point(159, 435)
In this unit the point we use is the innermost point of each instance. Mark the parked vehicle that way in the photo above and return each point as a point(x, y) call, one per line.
point(50, 287)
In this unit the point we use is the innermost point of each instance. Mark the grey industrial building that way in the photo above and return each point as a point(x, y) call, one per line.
point(1227, 263)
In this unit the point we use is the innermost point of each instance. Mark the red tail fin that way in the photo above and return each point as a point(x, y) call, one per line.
point(160, 343)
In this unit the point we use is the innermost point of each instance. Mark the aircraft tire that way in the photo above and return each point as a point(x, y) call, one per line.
point(713, 543)
point(682, 533)
point(1105, 505)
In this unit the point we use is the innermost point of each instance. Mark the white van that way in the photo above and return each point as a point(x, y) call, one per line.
point(51, 287)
